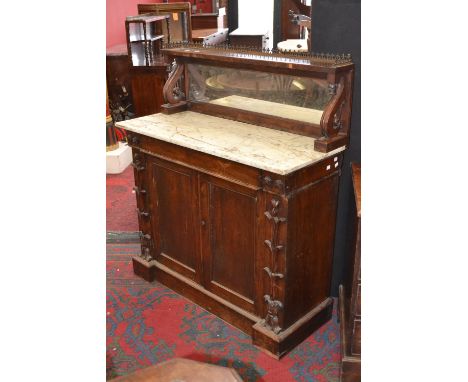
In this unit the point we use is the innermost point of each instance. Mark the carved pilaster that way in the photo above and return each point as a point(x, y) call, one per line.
point(271, 320)
point(146, 245)
point(138, 162)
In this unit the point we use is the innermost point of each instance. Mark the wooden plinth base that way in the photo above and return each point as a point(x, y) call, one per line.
point(275, 345)
point(144, 269)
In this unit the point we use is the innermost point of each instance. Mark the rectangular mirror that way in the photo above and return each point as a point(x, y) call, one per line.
point(285, 96)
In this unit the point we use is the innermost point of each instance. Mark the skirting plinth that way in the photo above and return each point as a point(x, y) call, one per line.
point(276, 345)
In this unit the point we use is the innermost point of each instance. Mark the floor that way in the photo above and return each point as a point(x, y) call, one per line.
point(121, 206)
point(148, 323)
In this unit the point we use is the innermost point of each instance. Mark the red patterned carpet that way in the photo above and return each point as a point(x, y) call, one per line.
point(148, 323)
point(121, 202)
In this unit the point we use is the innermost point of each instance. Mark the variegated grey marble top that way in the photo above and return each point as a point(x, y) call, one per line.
point(267, 149)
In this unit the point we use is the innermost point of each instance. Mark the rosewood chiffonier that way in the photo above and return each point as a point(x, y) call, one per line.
point(237, 184)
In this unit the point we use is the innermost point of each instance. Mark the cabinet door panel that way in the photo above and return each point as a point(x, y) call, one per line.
point(174, 218)
point(229, 240)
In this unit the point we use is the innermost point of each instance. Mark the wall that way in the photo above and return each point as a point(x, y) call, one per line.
point(336, 28)
point(117, 10)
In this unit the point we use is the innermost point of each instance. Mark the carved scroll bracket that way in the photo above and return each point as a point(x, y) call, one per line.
point(172, 91)
point(331, 122)
point(271, 320)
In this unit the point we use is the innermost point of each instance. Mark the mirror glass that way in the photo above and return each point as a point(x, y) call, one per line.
point(286, 96)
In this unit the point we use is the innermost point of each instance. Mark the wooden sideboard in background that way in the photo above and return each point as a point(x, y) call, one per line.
point(119, 82)
point(350, 294)
point(143, 84)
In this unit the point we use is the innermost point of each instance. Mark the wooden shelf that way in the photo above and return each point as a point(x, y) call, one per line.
point(151, 39)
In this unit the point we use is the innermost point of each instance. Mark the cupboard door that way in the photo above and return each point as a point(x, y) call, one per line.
point(229, 221)
point(174, 216)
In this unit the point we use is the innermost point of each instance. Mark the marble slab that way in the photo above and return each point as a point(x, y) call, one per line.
point(271, 108)
point(267, 149)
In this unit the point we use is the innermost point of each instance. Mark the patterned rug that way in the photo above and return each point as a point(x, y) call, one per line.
point(121, 202)
point(148, 323)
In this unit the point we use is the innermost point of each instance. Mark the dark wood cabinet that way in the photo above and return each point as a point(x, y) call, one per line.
point(222, 231)
point(350, 293)
point(236, 216)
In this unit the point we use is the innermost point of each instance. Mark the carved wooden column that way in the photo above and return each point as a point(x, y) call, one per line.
point(275, 269)
point(274, 222)
point(142, 267)
point(292, 209)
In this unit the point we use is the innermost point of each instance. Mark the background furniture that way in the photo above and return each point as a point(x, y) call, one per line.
point(147, 87)
point(350, 294)
point(180, 22)
point(147, 82)
point(249, 37)
point(290, 30)
point(204, 20)
point(111, 138)
point(144, 38)
point(238, 217)
point(119, 81)
point(210, 36)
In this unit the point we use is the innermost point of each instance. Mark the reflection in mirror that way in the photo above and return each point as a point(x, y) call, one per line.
point(178, 27)
point(285, 96)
